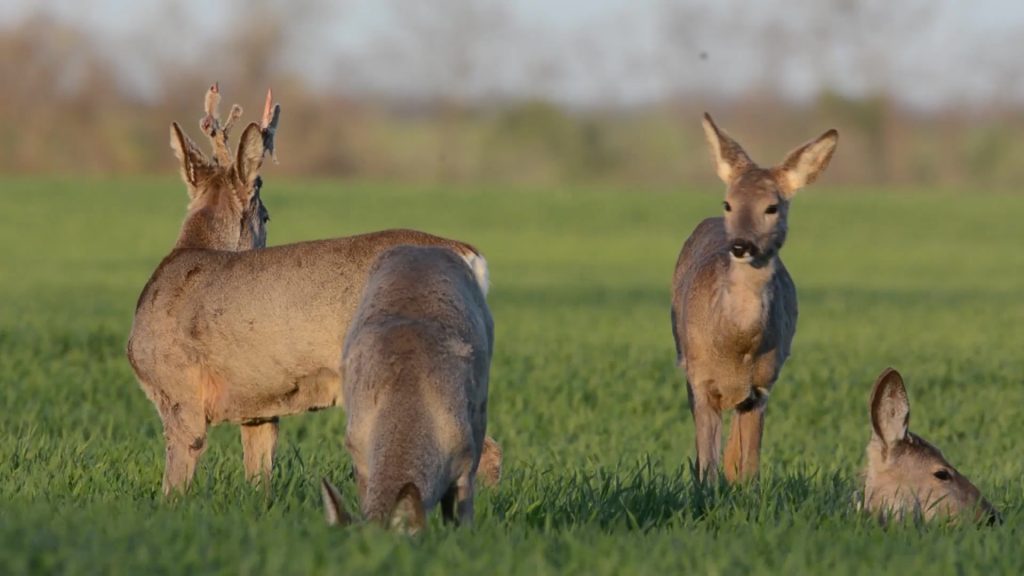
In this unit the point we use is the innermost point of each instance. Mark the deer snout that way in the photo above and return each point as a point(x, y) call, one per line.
point(988, 514)
point(743, 248)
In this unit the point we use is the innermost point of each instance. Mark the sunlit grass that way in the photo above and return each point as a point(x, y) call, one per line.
point(591, 413)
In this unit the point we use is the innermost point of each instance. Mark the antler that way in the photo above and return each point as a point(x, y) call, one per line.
point(211, 126)
point(218, 134)
point(271, 115)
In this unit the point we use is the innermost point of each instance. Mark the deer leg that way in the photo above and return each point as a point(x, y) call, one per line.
point(185, 437)
point(743, 452)
point(448, 504)
point(258, 444)
point(707, 417)
point(464, 498)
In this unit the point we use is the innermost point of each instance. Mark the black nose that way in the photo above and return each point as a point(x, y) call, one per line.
point(994, 518)
point(741, 248)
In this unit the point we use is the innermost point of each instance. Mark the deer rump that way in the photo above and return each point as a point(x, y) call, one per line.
point(258, 333)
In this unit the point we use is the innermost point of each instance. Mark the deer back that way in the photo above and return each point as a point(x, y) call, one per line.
point(267, 324)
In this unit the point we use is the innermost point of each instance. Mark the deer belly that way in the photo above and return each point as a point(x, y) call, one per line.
point(271, 394)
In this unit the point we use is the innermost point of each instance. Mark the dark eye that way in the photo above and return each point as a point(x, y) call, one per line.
point(728, 208)
point(943, 475)
point(772, 209)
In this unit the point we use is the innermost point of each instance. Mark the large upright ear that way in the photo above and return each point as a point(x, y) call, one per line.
point(890, 407)
point(190, 157)
point(334, 510)
point(250, 155)
point(803, 165)
point(730, 159)
point(408, 515)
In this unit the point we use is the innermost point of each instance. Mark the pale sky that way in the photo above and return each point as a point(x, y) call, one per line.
point(613, 52)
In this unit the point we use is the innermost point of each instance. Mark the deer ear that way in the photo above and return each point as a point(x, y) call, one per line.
point(730, 158)
point(408, 515)
point(191, 158)
point(334, 510)
point(803, 165)
point(250, 155)
point(890, 407)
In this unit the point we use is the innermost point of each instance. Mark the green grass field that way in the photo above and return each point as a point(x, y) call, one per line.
point(585, 398)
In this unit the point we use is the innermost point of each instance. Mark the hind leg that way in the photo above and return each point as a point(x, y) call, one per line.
point(464, 498)
point(259, 441)
point(185, 437)
point(743, 452)
point(448, 504)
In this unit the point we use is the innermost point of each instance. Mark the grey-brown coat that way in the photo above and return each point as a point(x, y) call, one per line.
point(224, 333)
point(416, 369)
point(734, 304)
point(905, 474)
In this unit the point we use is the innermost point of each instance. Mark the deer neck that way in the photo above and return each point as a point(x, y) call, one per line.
point(747, 293)
point(381, 495)
point(204, 229)
point(399, 456)
point(384, 485)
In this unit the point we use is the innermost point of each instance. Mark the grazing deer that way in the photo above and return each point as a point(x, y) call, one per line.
point(905, 474)
point(225, 333)
point(416, 364)
point(733, 303)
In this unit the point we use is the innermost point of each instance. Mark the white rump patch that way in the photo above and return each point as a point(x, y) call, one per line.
point(478, 264)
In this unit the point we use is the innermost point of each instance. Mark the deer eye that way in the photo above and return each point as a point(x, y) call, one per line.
point(772, 209)
point(943, 475)
point(727, 207)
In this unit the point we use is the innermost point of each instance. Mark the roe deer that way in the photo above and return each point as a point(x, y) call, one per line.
point(224, 333)
point(905, 474)
point(416, 364)
point(733, 303)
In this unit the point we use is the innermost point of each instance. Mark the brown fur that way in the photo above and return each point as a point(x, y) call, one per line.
point(489, 469)
point(733, 318)
point(905, 474)
point(416, 364)
point(224, 333)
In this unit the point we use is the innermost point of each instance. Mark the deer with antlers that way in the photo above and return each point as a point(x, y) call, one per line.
point(226, 330)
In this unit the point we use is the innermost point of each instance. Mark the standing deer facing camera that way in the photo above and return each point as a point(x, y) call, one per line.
point(905, 473)
point(417, 361)
point(224, 332)
point(733, 302)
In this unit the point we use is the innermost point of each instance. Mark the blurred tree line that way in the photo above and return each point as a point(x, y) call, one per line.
point(65, 106)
